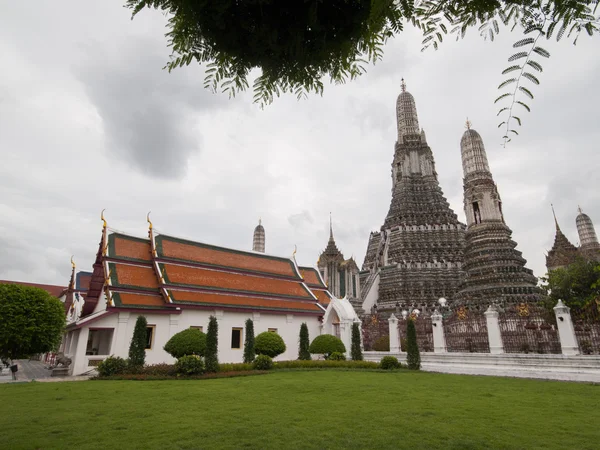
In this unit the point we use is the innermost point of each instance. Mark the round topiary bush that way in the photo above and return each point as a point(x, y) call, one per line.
point(269, 343)
point(113, 365)
point(189, 365)
point(263, 362)
point(327, 344)
point(187, 342)
point(337, 356)
point(389, 363)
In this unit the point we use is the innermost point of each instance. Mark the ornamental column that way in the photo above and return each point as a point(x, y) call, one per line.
point(566, 331)
point(493, 328)
point(394, 335)
point(439, 340)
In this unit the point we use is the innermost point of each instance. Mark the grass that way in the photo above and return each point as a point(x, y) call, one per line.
point(303, 409)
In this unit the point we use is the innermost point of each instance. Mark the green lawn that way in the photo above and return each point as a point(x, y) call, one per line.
point(303, 409)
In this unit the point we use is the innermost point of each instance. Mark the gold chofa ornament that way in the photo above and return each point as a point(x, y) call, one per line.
point(523, 309)
point(461, 313)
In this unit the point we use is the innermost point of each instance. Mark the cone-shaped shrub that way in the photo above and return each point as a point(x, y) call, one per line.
point(211, 359)
point(137, 347)
point(413, 357)
point(187, 342)
point(326, 344)
point(356, 351)
point(303, 353)
point(270, 344)
point(249, 352)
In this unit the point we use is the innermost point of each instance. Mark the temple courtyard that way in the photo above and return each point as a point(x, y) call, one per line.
point(303, 409)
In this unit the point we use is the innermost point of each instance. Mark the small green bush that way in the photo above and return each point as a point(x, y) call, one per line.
point(328, 364)
point(235, 367)
point(160, 370)
point(389, 363)
point(269, 343)
point(187, 342)
point(327, 344)
point(263, 362)
point(382, 344)
point(113, 365)
point(189, 365)
point(337, 356)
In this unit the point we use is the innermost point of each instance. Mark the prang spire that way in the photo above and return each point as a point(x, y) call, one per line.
point(406, 114)
point(554, 214)
point(258, 241)
point(587, 232)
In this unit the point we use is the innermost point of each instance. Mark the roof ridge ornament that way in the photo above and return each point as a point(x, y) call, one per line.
point(73, 263)
point(468, 124)
point(148, 220)
point(403, 85)
point(102, 218)
point(579, 209)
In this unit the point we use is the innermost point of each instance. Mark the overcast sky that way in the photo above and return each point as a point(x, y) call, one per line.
point(88, 120)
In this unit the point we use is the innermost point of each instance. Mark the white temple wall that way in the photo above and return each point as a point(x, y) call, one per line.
point(165, 325)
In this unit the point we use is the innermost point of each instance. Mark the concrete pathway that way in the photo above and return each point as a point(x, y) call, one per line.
point(32, 370)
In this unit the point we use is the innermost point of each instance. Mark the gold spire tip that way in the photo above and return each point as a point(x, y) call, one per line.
point(102, 218)
point(468, 124)
point(72, 263)
point(148, 219)
point(295, 250)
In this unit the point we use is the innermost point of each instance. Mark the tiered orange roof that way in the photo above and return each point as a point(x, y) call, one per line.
point(165, 272)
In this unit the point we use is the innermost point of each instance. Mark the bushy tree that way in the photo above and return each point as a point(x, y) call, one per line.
point(382, 344)
point(326, 344)
point(189, 365)
point(577, 285)
point(413, 356)
point(137, 347)
point(389, 363)
point(211, 358)
point(303, 353)
point(113, 365)
point(270, 344)
point(31, 321)
point(249, 352)
point(187, 342)
point(356, 351)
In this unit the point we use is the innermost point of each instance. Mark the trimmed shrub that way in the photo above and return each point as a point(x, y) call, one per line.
point(337, 356)
point(187, 342)
point(303, 353)
point(263, 362)
point(320, 364)
point(249, 353)
point(211, 359)
point(413, 357)
point(235, 367)
point(113, 365)
point(137, 347)
point(327, 344)
point(189, 365)
point(389, 363)
point(356, 351)
point(161, 369)
point(382, 344)
point(270, 344)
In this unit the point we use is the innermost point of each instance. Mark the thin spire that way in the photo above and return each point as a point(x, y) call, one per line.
point(330, 227)
point(403, 85)
point(554, 214)
point(260, 220)
point(468, 124)
point(579, 209)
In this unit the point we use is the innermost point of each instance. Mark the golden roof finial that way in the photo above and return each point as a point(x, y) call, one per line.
point(554, 214)
point(72, 263)
point(148, 219)
point(403, 85)
point(468, 124)
point(102, 218)
point(295, 250)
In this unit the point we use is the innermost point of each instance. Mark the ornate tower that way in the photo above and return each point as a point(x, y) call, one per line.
point(590, 248)
point(495, 270)
point(258, 243)
point(340, 275)
point(563, 252)
point(416, 256)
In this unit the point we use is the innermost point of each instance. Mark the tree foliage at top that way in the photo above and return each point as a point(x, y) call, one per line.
point(137, 347)
point(187, 342)
point(31, 321)
point(577, 285)
point(297, 43)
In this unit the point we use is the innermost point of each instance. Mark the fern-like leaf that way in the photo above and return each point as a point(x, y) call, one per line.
point(501, 97)
point(535, 65)
point(524, 105)
point(501, 123)
point(502, 110)
point(507, 82)
point(513, 131)
point(523, 42)
point(541, 51)
point(511, 69)
point(518, 119)
point(517, 56)
point(531, 78)
point(526, 92)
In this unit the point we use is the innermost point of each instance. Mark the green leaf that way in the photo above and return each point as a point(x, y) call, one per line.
point(542, 52)
point(550, 30)
point(524, 105)
point(501, 97)
point(517, 119)
point(535, 65)
point(513, 131)
point(526, 91)
point(510, 69)
point(523, 42)
point(531, 78)
point(517, 56)
point(502, 110)
point(501, 123)
point(507, 82)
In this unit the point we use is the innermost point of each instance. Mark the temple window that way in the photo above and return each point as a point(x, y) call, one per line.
point(236, 338)
point(476, 212)
point(199, 327)
point(272, 330)
point(150, 329)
